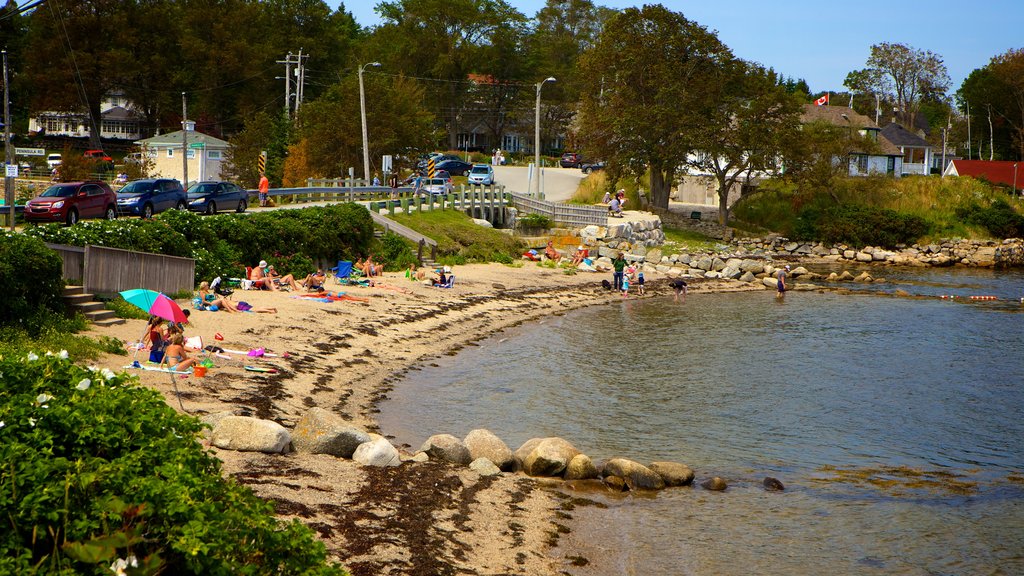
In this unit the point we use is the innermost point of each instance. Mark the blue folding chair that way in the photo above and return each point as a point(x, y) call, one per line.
point(342, 271)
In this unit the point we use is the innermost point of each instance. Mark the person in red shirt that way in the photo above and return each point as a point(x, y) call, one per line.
point(264, 189)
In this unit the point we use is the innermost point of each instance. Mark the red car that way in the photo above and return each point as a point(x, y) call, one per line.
point(98, 155)
point(69, 202)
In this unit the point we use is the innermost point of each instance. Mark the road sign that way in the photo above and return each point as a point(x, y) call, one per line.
point(198, 145)
point(431, 170)
point(385, 165)
point(12, 170)
point(262, 162)
point(30, 151)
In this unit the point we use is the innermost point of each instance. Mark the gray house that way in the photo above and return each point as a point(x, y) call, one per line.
point(917, 152)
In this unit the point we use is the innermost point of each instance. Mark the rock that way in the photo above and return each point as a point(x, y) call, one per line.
point(715, 483)
point(654, 255)
point(581, 467)
point(833, 277)
point(770, 282)
point(420, 457)
point(378, 453)
point(212, 420)
point(748, 277)
point(523, 451)
point(863, 277)
point(247, 434)
point(484, 467)
point(636, 475)
point(752, 266)
point(616, 483)
point(497, 286)
point(549, 458)
point(864, 257)
point(850, 254)
point(447, 448)
point(902, 293)
point(323, 432)
point(482, 222)
point(773, 484)
point(798, 271)
point(704, 264)
point(845, 276)
point(673, 473)
point(483, 443)
point(712, 274)
point(717, 264)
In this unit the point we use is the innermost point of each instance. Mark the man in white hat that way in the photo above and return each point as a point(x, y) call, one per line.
point(260, 278)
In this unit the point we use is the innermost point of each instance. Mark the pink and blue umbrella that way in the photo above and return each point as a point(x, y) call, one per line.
point(155, 304)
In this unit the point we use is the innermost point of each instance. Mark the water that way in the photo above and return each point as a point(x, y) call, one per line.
point(895, 423)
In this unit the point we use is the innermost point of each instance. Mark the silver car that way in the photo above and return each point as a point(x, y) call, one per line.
point(481, 174)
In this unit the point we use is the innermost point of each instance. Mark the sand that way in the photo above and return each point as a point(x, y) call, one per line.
point(429, 518)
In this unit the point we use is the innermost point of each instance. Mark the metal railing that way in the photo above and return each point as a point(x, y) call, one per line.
point(568, 214)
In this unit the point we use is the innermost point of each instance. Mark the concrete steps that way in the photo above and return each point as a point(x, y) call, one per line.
point(79, 301)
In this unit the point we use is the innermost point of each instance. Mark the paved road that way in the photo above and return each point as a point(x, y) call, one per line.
point(559, 183)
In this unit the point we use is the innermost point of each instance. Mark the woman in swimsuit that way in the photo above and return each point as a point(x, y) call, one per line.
point(209, 299)
point(176, 353)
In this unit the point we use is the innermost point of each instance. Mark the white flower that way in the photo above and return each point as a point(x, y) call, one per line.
point(118, 566)
point(94, 368)
point(84, 384)
point(2, 424)
point(63, 354)
point(43, 398)
point(108, 374)
point(32, 357)
point(32, 422)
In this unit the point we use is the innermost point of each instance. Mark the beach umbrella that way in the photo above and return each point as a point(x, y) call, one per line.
point(155, 304)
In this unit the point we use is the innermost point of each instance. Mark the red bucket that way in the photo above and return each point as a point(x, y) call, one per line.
point(199, 371)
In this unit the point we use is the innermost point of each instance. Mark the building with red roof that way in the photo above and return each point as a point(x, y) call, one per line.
point(1005, 172)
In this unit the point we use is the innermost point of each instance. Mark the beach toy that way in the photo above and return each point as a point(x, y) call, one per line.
point(256, 352)
point(206, 363)
point(218, 336)
point(261, 369)
point(199, 371)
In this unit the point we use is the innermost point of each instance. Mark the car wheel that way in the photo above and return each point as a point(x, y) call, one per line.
point(147, 211)
point(587, 169)
point(110, 214)
point(211, 208)
point(241, 206)
point(180, 206)
point(72, 217)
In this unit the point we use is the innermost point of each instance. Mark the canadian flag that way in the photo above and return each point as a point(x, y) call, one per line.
point(822, 101)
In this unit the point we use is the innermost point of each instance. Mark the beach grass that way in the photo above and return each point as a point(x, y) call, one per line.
point(460, 240)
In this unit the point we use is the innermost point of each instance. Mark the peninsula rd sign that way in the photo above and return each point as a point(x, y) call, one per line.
point(30, 151)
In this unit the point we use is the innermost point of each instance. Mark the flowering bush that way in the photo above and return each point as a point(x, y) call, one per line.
point(30, 280)
point(100, 476)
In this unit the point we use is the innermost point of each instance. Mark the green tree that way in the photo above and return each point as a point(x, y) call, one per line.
point(651, 86)
point(13, 29)
point(994, 95)
point(748, 131)
point(264, 131)
point(902, 73)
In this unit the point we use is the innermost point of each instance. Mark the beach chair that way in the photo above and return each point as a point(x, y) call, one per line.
point(449, 282)
point(343, 271)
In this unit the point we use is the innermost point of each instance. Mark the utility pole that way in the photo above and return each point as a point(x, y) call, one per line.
point(184, 140)
point(300, 81)
point(362, 114)
point(8, 181)
point(287, 83)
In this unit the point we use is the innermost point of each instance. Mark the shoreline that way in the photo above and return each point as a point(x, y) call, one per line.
point(345, 357)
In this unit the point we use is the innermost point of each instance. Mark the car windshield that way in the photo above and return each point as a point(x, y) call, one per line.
point(201, 189)
point(59, 192)
point(479, 170)
point(137, 188)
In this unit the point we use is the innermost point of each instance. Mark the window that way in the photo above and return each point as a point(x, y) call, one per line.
point(890, 167)
point(170, 152)
point(213, 154)
point(862, 163)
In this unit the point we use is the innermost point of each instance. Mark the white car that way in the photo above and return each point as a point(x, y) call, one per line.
point(433, 186)
point(481, 174)
point(52, 161)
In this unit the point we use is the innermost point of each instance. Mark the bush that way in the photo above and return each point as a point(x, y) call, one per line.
point(31, 282)
point(1000, 219)
point(97, 468)
point(395, 252)
point(859, 226)
point(534, 221)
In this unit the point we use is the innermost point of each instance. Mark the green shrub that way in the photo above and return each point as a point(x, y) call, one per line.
point(1000, 219)
point(97, 468)
point(534, 221)
point(859, 226)
point(123, 309)
point(30, 280)
point(395, 252)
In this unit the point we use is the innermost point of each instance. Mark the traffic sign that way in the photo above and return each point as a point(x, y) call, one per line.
point(430, 168)
point(30, 151)
point(12, 170)
point(198, 145)
point(262, 162)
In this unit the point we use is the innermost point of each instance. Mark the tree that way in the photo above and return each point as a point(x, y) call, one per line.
point(754, 121)
point(902, 73)
point(998, 87)
point(651, 85)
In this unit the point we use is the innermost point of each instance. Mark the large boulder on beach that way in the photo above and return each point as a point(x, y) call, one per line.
point(523, 451)
point(673, 473)
point(323, 432)
point(550, 457)
point(483, 443)
point(636, 475)
point(484, 467)
point(581, 467)
point(447, 448)
point(247, 434)
point(378, 453)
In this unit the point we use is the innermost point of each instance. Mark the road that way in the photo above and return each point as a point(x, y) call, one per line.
point(559, 183)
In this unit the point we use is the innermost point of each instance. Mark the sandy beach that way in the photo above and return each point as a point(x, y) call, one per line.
point(345, 356)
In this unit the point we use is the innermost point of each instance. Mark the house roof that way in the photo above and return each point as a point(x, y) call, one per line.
point(847, 118)
point(996, 171)
point(174, 139)
point(900, 136)
point(118, 113)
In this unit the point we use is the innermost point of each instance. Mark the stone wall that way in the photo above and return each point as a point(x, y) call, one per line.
point(975, 253)
point(633, 238)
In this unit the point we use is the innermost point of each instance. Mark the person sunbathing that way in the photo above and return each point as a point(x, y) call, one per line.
point(578, 257)
point(214, 302)
point(550, 251)
point(175, 356)
point(315, 282)
point(282, 281)
point(260, 279)
point(370, 268)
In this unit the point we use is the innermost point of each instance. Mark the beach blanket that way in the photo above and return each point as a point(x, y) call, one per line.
point(333, 297)
point(137, 366)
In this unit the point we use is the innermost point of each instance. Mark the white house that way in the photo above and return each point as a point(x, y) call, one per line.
point(887, 159)
point(917, 152)
point(117, 121)
point(205, 153)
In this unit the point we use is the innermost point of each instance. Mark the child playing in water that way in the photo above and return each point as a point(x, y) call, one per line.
point(625, 285)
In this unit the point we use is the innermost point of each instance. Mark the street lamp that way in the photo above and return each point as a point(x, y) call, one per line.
point(362, 112)
point(536, 138)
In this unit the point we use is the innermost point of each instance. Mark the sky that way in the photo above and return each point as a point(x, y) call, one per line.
point(823, 41)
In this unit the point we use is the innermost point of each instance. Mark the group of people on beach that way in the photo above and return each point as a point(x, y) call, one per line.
point(625, 274)
point(615, 203)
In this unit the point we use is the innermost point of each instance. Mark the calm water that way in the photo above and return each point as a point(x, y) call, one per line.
point(896, 424)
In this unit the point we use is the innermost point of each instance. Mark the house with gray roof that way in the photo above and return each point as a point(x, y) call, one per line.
point(886, 158)
point(917, 152)
point(205, 153)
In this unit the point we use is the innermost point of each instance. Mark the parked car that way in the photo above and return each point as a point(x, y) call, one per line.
point(570, 160)
point(98, 155)
point(588, 167)
point(52, 161)
point(437, 157)
point(481, 174)
point(210, 197)
point(454, 167)
point(150, 196)
point(433, 186)
point(69, 202)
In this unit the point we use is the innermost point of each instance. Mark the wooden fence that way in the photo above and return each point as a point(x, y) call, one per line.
point(107, 271)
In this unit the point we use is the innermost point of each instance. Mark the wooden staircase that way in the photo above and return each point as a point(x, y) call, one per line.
point(78, 301)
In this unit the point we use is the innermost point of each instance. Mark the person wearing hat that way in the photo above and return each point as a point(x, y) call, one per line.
point(781, 284)
point(260, 277)
point(578, 257)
